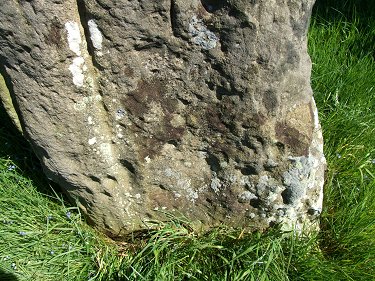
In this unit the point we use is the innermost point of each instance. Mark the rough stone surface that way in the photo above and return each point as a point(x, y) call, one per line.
point(140, 108)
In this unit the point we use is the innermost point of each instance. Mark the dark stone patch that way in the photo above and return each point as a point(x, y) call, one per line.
point(54, 33)
point(151, 143)
point(161, 197)
point(170, 134)
point(214, 122)
point(270, 100)
point(254, 121)
point(128, 71)
point(138, 103)
point(225, 147)
point(292, 54)
point(292, 138)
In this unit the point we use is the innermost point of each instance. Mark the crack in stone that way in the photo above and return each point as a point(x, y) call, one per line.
point(85, 20)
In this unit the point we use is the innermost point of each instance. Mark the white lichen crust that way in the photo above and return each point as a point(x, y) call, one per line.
point(95, 35)
point(77, 67)
point(74, 37)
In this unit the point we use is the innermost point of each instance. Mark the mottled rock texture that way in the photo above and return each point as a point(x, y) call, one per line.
point(140, 108)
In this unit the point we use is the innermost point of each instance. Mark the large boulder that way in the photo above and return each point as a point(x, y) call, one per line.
point(139, 109)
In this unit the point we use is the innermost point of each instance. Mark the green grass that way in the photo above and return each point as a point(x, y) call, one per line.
point(38, 241)
point(344, 85)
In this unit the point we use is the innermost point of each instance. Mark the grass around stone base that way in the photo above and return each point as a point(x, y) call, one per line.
point(43, 237)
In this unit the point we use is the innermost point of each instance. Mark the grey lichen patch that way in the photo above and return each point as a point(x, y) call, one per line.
point(268, 188)
point(177, 187)
point(297, 180)
point(246, 197)
point(215, 183)
point(201, 35)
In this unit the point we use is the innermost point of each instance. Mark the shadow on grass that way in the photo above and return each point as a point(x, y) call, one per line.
point(6, 276)
point(360, 11)
point(335, 9)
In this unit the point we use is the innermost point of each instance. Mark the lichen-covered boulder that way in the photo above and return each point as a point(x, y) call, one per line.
point(196, 108)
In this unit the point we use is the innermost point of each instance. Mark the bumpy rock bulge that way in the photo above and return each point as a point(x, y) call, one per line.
point(144, 108)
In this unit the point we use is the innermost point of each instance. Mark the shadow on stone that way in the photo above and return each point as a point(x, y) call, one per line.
point(12, 143)
point(15, 147)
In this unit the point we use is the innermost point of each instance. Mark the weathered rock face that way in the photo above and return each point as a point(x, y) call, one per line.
point(201, 108)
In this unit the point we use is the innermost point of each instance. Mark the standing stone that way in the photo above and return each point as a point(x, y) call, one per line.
point(197, 108)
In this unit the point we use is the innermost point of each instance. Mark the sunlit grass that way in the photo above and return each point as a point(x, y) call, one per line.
point(41, 239)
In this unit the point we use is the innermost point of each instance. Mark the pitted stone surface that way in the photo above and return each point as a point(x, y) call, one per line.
point(141, 108)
